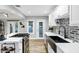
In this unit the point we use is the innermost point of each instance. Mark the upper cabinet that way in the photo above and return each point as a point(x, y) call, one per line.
point(74, 15)
point(61, 11)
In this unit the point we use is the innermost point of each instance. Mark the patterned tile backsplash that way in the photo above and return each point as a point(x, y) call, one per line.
point(64, 23)
point(74, 33)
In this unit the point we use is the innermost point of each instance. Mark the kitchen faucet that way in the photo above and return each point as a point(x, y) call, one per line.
point(64, 30)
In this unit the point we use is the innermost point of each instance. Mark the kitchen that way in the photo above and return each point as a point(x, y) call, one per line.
point(39, 29)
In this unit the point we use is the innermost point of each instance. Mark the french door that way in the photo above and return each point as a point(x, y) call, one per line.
point(40, 29)
point(12, 27)
point(36, 29)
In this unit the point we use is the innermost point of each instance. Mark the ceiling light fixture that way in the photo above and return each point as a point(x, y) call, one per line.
point(3, 14)
point(29, 12)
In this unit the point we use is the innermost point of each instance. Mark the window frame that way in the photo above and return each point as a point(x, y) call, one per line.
point(32, 27)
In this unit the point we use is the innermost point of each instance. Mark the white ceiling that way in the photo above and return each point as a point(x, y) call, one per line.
point(36, 10)
point(26, 10)
point(12, 13)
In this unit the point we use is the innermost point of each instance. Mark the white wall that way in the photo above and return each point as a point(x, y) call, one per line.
point(35, 19)
point(57, 13)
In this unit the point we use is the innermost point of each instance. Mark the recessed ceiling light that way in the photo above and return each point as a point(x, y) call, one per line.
point(29, 12)
point(46, 11)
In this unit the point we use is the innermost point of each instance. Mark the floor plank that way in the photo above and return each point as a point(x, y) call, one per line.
point(37, 46)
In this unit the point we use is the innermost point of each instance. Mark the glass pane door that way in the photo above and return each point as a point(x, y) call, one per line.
point(40, 29)
point(11, 28)
point(30, 26)
point(16, 27)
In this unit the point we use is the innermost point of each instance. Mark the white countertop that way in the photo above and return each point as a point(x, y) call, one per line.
point(66, 47)
point(12, 40)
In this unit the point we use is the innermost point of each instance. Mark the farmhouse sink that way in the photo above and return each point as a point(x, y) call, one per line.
point(58, 39)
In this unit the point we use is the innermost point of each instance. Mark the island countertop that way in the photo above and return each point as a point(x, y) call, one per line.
point(12, 40)
point(9, 39)
point(66, 47)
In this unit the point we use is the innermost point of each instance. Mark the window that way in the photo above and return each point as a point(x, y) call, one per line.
point(16, 27)
point(40, 29)
point(11, 28)
point(30, 26)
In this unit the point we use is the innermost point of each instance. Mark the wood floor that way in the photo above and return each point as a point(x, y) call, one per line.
point(37, 46)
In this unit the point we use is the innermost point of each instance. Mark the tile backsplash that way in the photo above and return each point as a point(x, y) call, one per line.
point(64, 23)
point(74, 33)
point(71, 32)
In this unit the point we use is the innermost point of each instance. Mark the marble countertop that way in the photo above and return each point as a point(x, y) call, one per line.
point(10, 39)
point(66, 47)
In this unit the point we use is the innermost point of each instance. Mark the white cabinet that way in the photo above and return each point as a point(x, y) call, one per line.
point(74, 15)
point(60, 11)
point(20, 47)
point(50, 50)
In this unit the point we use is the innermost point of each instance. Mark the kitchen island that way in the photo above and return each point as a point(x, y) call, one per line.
point(16, 40)
point(62, 47)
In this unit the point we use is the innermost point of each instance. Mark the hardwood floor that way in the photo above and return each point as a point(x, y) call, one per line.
point(37, 46)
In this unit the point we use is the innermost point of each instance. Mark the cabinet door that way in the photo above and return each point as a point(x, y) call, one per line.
point(74, 15)
point(20, 47)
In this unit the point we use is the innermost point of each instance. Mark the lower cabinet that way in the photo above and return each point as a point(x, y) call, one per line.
point(52, 47)
point(23, 46)
point(50, 50)
point(19, 49)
